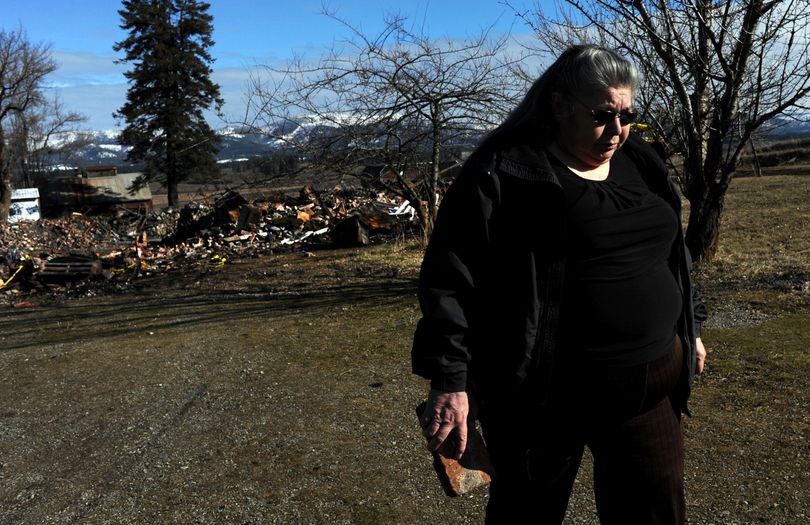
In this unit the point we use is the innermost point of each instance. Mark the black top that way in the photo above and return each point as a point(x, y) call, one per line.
point(621, 302)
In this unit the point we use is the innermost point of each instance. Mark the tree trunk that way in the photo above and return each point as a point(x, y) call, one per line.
point(757, 165)
point(171, 188)
point(5, 182)
point(171, 170)
point(5, 195)
point(427, 230)
point(424, 218)
point(433, 185)
point(703, 230)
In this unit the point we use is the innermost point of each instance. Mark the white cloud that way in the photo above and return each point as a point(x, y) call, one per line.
point(95, 101)
point(86, 68)
point(95, 86)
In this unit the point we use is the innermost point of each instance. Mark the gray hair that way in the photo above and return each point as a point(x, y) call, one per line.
point(578, 70)
point(585, 68)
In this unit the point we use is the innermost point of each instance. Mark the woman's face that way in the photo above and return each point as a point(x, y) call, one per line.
point(580, 135)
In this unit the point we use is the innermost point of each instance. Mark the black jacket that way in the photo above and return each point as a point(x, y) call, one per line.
point(491, 281)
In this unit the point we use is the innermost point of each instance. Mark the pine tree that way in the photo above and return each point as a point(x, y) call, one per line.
point(169, 88)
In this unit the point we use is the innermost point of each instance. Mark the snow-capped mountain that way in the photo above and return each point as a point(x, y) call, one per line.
point(237, 143)
point(240, 143)
point(102, 147)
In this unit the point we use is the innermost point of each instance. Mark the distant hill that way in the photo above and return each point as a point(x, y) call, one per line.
point(103, 147)
point(241, 145)
point(782, 127)
point(237, 144)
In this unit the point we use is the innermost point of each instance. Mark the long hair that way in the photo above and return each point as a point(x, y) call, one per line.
point(577, 70)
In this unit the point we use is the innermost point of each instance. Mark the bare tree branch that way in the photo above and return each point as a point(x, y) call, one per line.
point(23, 68)
point(397, 99)
point(715, 72)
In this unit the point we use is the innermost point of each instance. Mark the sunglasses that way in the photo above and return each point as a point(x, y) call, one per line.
point(608, 116)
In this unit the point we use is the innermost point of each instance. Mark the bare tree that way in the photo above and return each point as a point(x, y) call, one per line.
point(41, 136)
point(398, 100)
point(23, 68)
point(715, 72)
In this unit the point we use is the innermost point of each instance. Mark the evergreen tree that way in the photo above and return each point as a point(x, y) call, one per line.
point(169, 88)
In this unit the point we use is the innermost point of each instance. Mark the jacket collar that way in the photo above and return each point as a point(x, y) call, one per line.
point(529, 161)
point(526, 161)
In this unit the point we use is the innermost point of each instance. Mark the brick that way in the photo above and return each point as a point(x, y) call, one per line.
point(473, 470)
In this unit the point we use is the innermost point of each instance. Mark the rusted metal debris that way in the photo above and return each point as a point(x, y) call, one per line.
point(69, 268)
point(53, 254)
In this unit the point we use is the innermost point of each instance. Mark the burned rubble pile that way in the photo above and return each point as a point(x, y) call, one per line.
point(82, 253)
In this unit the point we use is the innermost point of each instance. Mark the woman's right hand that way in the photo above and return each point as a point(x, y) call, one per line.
point(444, 413)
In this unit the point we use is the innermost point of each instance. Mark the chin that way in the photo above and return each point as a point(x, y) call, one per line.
point(602, 158)
point(606, 153)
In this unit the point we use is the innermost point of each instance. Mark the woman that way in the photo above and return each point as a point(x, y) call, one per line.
point(556, 290)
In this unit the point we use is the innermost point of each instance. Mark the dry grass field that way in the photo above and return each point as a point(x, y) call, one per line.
point(278, 390)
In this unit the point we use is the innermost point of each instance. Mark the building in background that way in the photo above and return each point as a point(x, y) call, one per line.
point(24, 205)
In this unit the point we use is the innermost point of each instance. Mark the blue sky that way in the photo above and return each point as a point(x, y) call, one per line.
point(246, 32)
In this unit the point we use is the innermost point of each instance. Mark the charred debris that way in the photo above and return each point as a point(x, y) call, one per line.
point(82, 252)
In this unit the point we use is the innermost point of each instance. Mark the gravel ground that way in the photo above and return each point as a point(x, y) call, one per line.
point(278, 390)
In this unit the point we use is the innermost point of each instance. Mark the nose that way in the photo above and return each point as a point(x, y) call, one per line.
point(614, 127)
